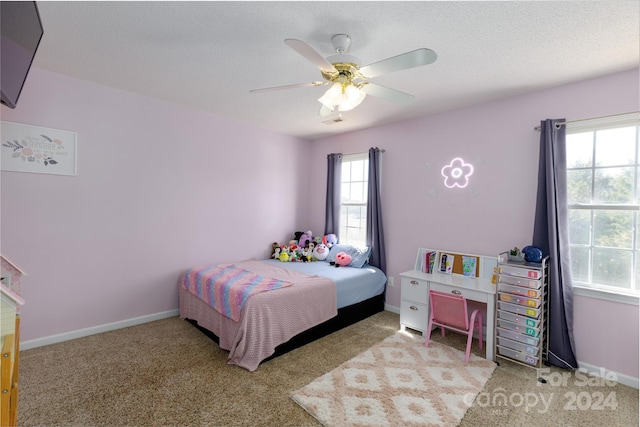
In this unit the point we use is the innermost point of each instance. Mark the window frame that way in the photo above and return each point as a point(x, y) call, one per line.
point(605, 292)
point(348, 158)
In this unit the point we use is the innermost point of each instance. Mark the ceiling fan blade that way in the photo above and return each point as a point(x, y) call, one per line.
point(269, 89)
point(387, 93)
point(415, 58)
point(311, 54)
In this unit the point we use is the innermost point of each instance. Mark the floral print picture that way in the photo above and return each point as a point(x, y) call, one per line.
point(39, 150)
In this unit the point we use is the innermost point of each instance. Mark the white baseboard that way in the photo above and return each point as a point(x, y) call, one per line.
point(54, 339)
point(392, 308)
point(608, 375)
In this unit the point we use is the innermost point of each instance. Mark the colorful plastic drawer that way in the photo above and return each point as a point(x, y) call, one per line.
point(520, 320)
point(533, 332)
point(515, 336)
point(519, 309)
point(520, 272)
point(513, 280)
point(519, 290)
point(514, 345)
point(516, 299)
point(518, 355)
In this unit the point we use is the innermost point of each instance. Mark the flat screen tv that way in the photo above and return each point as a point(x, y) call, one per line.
point(22, 31)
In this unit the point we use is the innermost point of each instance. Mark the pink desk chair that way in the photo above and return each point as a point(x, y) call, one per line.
point(450, 311)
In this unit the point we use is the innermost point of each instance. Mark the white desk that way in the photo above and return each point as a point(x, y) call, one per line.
point(475, 289)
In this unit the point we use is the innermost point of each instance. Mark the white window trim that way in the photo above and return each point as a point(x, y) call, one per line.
point(606, 295)
point(622, 296)
point(352, 158)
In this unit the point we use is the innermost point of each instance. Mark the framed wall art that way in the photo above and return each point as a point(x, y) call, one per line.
point(35, 149)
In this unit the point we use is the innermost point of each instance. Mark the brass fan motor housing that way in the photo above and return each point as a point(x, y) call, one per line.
point(347, 72)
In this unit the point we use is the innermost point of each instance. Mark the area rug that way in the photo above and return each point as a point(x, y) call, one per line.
point(397, 382)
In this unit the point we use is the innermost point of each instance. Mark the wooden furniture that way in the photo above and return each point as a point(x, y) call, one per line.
point(522, 314)
point(10, 356)
point(415, 285)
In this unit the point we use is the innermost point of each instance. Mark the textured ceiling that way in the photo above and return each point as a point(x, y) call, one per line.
point(208, 55)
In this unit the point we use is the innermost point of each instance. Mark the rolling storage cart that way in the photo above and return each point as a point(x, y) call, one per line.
point(522, 312)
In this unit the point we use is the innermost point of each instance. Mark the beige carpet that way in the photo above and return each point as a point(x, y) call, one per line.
point(397, 382)
point(167, 373)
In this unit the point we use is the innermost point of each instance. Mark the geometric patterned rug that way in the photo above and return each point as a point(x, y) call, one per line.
point(397, 382)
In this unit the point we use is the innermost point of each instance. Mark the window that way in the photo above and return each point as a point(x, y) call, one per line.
point(603, 201)
point(353, 199)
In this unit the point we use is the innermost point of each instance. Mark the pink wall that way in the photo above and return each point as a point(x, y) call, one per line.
point(495, 212)
point(160, 188)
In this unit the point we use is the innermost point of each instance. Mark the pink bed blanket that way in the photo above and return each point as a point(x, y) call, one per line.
point(226, 287)
point(267, 319)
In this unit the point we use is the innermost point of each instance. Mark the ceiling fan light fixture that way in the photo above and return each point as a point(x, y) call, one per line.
point(354, 94)
point(333, 96)
point(344, 100)
point(351, 99)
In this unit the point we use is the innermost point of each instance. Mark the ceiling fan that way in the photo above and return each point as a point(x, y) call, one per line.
point(350, 82)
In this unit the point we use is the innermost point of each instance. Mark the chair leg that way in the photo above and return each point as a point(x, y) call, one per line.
point(480, 330)
point(428, 333)
point(476, 320)
point(469, 340)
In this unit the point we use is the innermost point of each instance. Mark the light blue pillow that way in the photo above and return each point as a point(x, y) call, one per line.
point(359, 256)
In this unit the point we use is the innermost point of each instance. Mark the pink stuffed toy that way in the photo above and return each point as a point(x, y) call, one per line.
point(343, 259)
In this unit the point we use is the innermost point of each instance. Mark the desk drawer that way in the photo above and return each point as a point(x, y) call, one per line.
point(414, 315)
point(415, 290)
point(470, 294)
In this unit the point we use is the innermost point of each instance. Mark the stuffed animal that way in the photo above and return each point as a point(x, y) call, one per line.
point(329, 240)
point(305, 239)
point(276, 253)
point(320, 252)
point(284, 256)
point(343, 259)
point(274, 246)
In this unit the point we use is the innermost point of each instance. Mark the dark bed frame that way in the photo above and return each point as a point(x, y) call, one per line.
point(346, 316)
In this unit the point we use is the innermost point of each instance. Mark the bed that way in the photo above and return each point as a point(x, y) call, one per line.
point(320, 299)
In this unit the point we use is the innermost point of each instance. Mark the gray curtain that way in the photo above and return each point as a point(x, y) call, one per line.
point(551, 234)
point(375, 232)
point(332, 213)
